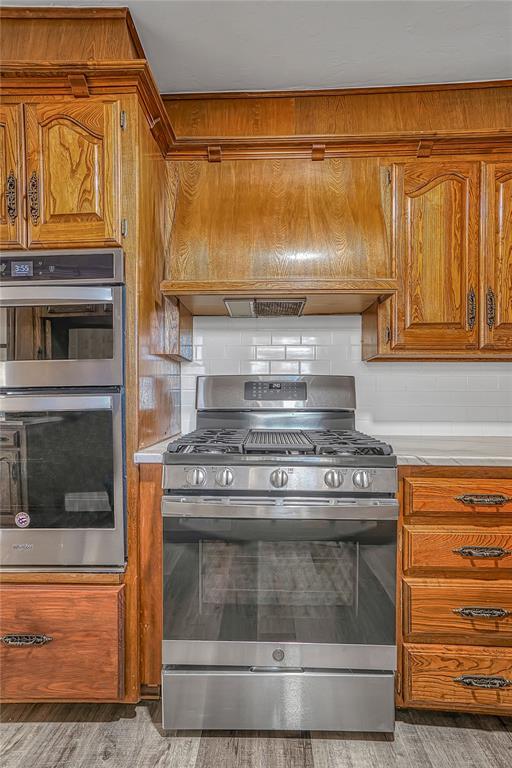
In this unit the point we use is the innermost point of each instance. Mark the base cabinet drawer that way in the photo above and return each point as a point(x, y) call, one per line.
point(469, 611)
point(425, 496)
point(61, 642)
point(472, 679)
point(469, 548)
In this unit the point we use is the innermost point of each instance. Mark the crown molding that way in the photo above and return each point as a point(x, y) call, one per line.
point(314, 92)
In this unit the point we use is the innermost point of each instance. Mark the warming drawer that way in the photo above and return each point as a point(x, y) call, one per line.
point(261, 699)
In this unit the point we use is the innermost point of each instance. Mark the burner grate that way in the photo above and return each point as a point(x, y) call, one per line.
point(274, 441)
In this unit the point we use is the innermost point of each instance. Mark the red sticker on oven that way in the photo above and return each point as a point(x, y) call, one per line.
point(22, 520)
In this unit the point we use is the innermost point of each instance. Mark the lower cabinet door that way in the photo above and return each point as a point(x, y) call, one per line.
point(61, 642)
point(460, 678)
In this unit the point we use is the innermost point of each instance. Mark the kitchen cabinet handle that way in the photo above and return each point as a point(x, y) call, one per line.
point(471, 308)
point(484, 499)
point(11, 195)
point(490, 301)
point(33, 197)
point(491, 552)
point(483, 681)
point(475, 612)
point(21, 640)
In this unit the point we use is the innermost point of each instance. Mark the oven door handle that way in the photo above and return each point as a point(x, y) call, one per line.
point(40, 295)
point(353, 509)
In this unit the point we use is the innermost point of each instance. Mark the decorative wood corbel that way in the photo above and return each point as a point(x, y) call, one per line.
point(424, 148)
point(318, 152)
point(214, 154)
point(78, 85)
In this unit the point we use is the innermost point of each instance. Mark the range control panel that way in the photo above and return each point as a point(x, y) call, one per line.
point(56, 267)
point(275, 390)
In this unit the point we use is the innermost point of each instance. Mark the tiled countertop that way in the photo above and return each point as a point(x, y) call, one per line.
point(452, 451)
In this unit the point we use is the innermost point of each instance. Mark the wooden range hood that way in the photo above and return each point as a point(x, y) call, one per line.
point(283, 229)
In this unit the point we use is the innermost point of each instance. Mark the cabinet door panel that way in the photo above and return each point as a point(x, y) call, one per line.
point(73, 173)
point(436, 250)
point(496, 258)
point(12, 224)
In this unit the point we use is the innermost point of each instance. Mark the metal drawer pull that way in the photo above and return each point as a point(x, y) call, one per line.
point(469, 551)
point(482, 681)
point(482, 613)
point(484, 499)
point(19, 640)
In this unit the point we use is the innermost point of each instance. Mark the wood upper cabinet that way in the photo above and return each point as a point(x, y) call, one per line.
point(12, 225)
point(435, 240)
point(73, 174)
point(496, 257)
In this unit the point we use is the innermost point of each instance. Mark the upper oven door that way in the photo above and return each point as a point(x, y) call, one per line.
point(55, 335)
point(61, 480)
point(280, 585)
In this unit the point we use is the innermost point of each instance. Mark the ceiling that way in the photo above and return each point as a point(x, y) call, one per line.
point(236, 45)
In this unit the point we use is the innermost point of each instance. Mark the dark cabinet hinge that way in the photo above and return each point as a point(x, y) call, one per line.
point(387, 335)
point(123, 120)
point(124, 227)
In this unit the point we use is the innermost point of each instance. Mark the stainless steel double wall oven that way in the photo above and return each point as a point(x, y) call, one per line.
point(279, 553)
point(61, 409)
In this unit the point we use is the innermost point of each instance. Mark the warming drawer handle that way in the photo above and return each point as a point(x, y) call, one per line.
point(490, 552)
point(475, 612)
point(280, 670)
point(484, 499)
point(22, 640)
point(483, 681)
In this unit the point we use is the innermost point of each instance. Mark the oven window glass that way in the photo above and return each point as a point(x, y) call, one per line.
point(279, 580)
point(57, 332)
point(57, 469)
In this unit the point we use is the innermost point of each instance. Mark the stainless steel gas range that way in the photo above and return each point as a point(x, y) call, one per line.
point(279, 548)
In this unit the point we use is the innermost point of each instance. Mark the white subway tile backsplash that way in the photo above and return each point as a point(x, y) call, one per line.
point(239, 352)
point(393, 398)
point(256, 338)
point(284, 366)
point(300, 353)
point(254, 366)
point(316, 367)
point(320, 337)
point(283, 338)
point(223, 367)
point(270, 353)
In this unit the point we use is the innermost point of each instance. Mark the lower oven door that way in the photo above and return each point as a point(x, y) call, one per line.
point(293, 584)
point(61, 475)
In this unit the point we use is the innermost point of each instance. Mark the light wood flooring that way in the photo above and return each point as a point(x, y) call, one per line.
point(121, 736)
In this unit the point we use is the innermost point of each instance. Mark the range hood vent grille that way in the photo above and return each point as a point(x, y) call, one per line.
point(242, 307)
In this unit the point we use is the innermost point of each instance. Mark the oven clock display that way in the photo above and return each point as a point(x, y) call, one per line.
point(22, 268)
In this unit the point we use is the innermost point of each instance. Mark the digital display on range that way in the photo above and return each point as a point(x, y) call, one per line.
point(22, 268)
point(275, 390)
